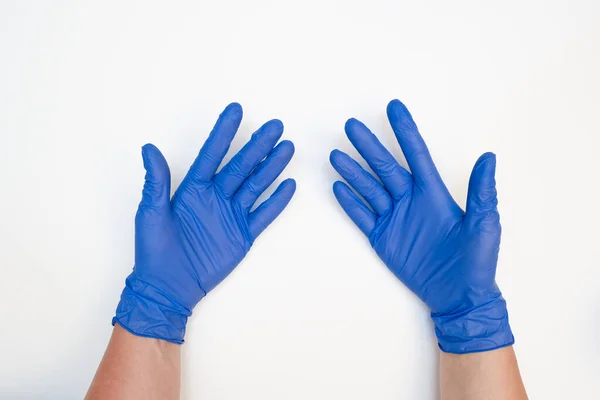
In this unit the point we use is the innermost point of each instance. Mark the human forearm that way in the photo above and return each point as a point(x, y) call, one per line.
point(137, 367)
point(490, 375)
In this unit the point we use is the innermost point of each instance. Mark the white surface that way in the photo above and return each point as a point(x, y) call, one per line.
point(311, 313)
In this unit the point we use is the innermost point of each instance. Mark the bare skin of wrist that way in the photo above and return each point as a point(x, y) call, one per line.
point(135, 367)
point(490, 375)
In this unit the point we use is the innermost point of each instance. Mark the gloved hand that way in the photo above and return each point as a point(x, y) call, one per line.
point(447, 257)
point(186, 245)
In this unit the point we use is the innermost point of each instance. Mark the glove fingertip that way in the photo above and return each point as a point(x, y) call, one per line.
point(338, 187)
point(335, 157)
point(270, 128)
point(287, 188)
point(486, 158)
point(287, 146)
point(233, 109)
point(145, 150)
point(351, 124)
point(397, 110)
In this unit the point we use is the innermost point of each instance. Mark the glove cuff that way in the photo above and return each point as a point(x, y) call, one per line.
point(146, 311)
point(483, 328)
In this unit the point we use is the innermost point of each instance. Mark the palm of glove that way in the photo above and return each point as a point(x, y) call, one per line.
point(447, 262)
point(192, 246)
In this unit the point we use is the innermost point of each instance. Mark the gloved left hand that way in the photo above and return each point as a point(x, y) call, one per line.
point(186, 245)
point(445, 255)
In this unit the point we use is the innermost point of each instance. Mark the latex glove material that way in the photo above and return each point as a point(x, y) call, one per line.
point(186, 245)
point(447, 257)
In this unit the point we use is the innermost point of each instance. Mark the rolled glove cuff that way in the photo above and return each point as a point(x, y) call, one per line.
point(146, 311)
point(483, 328)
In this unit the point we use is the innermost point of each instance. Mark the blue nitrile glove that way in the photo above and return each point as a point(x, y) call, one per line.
point(446, 256)
point(186, 245)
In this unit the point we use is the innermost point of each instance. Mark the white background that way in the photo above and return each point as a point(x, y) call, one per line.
point(311, 313)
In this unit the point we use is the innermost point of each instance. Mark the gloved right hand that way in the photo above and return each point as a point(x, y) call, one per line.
point(186, 245)
point(444, 255)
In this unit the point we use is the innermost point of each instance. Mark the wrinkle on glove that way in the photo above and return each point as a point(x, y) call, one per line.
point(187, 245)
point(446, 256)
